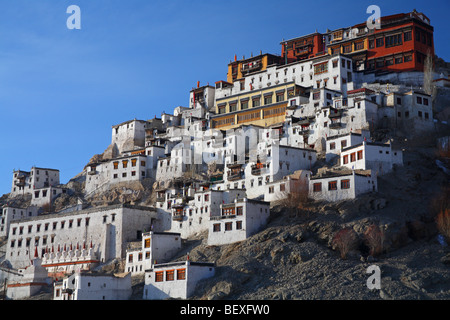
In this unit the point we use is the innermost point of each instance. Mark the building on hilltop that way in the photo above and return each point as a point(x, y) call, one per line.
point(26, 182)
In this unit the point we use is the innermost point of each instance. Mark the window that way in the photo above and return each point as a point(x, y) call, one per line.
point(159, 276)
point(130, 258)
point(353, 157)
point(133, 162)
point(407, 58)
point(380, 42)
point(280, 97)
point(267, 99)
point(271, 189)
point(371, 44)
point(332, 185)
point(116, 165)
point(181, 274)
point(147, 243)
point(407, 36)
point(317, 187)
point(321, 68)
point(425, 101)
point(216, 227)
point(170, 275)
point(256, 102)
point(348, 48)
point(345, 159)
point(398, 60)
point(239, 211)
point(394, 40)
point(238, 225)
point(332, 145)
point(244, 105)
point(419, 100)
point(316, 95)
point(360, 154)
point(228, 226)
point(345, 184)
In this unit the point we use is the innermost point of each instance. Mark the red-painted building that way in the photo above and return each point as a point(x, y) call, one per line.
point(300, 48)
point(401, 44)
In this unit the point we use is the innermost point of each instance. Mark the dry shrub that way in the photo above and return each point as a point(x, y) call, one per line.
point(295, 201)
point(374, 239)
point(443, 223)
point(47, 208)
point(345, 240)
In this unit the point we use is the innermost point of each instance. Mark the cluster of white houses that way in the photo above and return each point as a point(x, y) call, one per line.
point(216, 166)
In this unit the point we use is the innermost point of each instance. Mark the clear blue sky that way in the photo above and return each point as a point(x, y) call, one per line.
point(61, 90)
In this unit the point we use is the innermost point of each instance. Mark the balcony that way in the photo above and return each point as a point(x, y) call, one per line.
point(228, 216)
point(256, 168)
point(335, 125)
point(251, 66)
point(177, 217)
point(19, 183)
point(335, 113)
point(232, 176)
point(216, 178)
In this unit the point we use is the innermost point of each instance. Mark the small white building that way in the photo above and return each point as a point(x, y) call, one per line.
point(102, 175)
point(24, 182)
point(237, 221)
point(380, 158)
point(28, 281)
point(10, 214)
point(176, 279)
point(45, 196)
point(338, 142)
point(156, 247)
point(340, 185)
point(92, 286)
point(128, 135)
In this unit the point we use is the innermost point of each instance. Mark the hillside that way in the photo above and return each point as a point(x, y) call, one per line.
point(294, 258)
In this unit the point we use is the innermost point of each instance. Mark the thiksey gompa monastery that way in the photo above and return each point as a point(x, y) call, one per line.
point(218, 165)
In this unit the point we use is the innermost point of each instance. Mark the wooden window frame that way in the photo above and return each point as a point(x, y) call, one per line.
point(345, 184)
point(159, 276)
point(332, 185)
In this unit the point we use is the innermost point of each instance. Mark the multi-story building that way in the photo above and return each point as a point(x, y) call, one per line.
point(25, 182)
point(379, 158)
point(237, 221)
point(155, 247)
point(93, 286)
point(108, 229)
point(401, 44)
point(175, 279)
point(341, 184)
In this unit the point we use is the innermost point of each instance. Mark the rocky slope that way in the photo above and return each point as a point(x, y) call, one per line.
point(294, 257)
